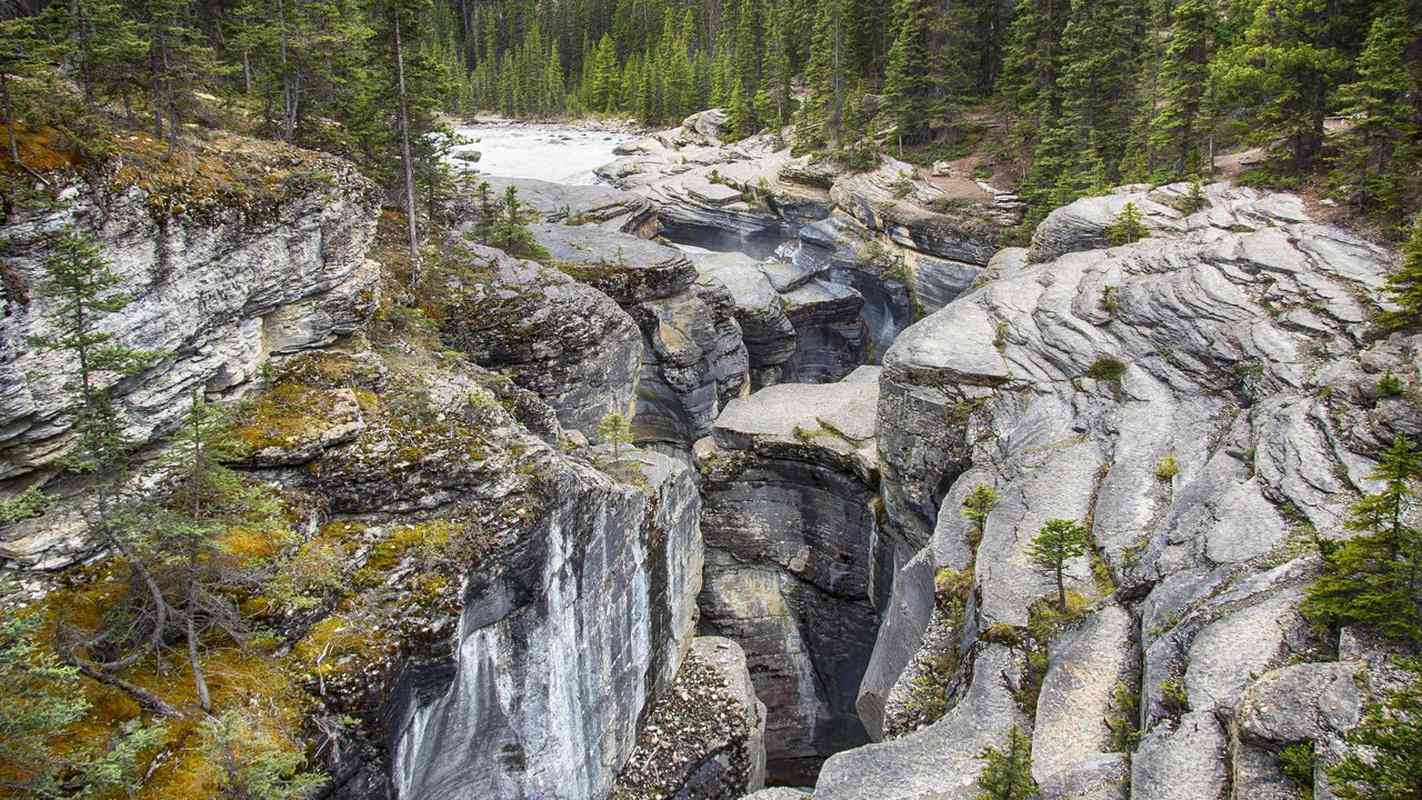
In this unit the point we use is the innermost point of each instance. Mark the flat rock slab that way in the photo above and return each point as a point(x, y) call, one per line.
point(627, 268)
point(839, 416)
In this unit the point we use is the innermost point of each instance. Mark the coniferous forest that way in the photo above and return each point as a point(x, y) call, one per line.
point(1066, 97)
point(303, 425)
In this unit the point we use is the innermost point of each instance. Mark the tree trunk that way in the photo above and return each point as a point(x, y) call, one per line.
point(1061, 589)
point(288, 90)
point(406, 159)
point(144, 697)
point(199, 677)
point(246, 72)
point(9, 117)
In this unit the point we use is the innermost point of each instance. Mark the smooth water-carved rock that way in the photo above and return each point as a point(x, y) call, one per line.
point(787, 484)
point(940, 760)
point(218, 287)
point(705, 738)
point(567, 342)
point(693, 358)
point(579, 206)
point(1169, 393)
point(560, 646)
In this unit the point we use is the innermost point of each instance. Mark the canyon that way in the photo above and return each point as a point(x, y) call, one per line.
point(777, 585)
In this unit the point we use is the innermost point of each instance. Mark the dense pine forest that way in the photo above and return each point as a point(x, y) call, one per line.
point(1066, 98)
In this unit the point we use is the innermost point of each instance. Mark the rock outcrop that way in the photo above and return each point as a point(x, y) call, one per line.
point(222, 275)
point(599, 206)
point(563, 640)
point(563, 340)
point(788, 482)
point(694, 360)
point(1171, 394)
point(907, 244)
point(705, 738)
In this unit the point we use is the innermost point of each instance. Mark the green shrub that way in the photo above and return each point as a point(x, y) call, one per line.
point(1297, 762)
point(1389, 385)
point(1128, 227)
point(1106, 368)
point(1167, 468)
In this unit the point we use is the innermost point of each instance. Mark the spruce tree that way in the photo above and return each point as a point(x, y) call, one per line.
point(1282, 74)
point(1375, 578)
point(1058, 541)
point(1386, 138)
point(1384, 761)
point(1177, 124)
point(1405, 285)
point(822, 114)
point(1007, 775)
point(83, 289)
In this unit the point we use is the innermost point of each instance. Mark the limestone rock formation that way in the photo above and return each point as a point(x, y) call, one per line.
point(693, 357)
point(562, 642)
point(1171, 394)
point(907, 244)
point(565, 341)
point(217, 284)
point(788, 480)
point(600, 206)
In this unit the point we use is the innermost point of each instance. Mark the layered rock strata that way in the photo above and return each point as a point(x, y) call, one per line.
point(1200, 400)
point(788, 485)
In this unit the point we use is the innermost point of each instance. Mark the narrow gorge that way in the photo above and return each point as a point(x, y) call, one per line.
point(772, 580)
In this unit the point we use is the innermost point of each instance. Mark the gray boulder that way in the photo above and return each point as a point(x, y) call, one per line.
point(705, 738)
point(592, 206)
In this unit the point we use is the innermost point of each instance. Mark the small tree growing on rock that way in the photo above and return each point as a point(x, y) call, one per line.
point(253, 763)
point(1128, 227)
point(615, 429)
point(1375, 578)
point(1385, 761)
point(1057, 541)
point(976, 507)
point(1007, 775)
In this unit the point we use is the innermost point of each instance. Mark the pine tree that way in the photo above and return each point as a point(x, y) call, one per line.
point(1373, 171)
point(1008, 775)
point(1405, 285)
point(1058, 541)
point(1176, 126)
point(921, 81)
point(1375, 578)
point(1384, 761)
point(21, 57)
point(83, 289)
point(977, 506)
point(615, 429)
point(1283, 71)
point(822, 115)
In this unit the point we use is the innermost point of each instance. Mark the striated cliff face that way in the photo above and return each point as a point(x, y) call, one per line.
point(693, 357)
point(1202, 400)
point(272, 264)
point(788, 482)
point(560, 646)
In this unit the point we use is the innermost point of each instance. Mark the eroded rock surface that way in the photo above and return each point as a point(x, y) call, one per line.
point(217, 288)
point(565, 341)
point(1169, 393)
point(694, 359)
point(788, 481)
